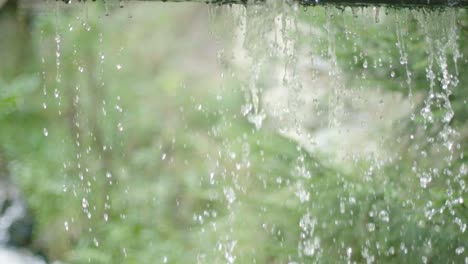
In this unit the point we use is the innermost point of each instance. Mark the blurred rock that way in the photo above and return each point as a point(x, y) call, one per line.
point(18, 256)
point(16, 224)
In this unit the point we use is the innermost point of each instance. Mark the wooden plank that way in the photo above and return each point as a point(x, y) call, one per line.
point(392, 3)
point(39, 4)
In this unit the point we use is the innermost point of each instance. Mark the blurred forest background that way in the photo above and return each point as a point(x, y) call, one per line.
point(131, 140)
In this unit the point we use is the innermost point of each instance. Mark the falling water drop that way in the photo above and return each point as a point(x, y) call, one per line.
point(106, 8)
point(377, 14)
point(96, 242)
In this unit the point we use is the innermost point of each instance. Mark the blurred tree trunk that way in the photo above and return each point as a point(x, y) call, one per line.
point(2, 2)
point(16, 49)
point(15, 39)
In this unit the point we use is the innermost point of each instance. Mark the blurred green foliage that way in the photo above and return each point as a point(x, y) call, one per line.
point(130, 151)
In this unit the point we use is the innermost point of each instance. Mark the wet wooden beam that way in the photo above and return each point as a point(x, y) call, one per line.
point(395, 3)
point(392, 3)
point(339, 3)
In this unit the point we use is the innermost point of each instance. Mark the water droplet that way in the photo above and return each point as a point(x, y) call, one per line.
point(230, 195)
point(96, 242)
point(424, 180)
point(377, 14)
point(384, 216)
point(212, 180)
point(302, 194)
